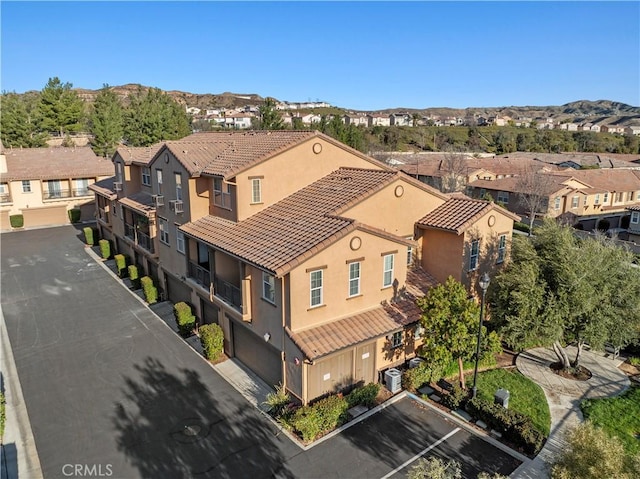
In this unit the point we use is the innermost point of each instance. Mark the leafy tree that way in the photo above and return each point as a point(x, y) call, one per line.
point(60, 108)
point(153, 116)
point(296, 124)
point(18, 122)
point(560, 290)
point(106, 122)
point(593, 454)
point(450, 322)
point(454, 170)
point(270, 118)
point(533, 188)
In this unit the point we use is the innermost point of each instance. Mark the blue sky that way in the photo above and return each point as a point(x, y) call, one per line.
point(359, 55)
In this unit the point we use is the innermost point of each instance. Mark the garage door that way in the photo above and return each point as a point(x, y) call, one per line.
point(178, 291)
point(50, 216)
point(257, 355)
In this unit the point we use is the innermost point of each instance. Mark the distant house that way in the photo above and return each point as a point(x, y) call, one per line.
point(568, 126)
point(378, 120)
point(632, 130)
point(357, 120)
point(612, 129)
point(400, 119)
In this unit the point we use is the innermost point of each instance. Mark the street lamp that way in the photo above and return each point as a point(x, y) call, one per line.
point(484, 285)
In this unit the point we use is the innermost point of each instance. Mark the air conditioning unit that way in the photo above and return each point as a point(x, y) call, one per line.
point(393, 380)
point(158, 200)
point(117, 186)
point(415, 362)
point(177, 206)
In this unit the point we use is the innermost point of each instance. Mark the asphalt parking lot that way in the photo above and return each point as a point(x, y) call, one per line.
point(106, 382)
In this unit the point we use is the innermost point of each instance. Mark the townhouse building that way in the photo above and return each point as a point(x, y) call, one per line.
point(309, 254)
point(634, 224)
point(43, 184)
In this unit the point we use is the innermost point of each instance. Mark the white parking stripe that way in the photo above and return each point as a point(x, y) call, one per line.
point(421, 453)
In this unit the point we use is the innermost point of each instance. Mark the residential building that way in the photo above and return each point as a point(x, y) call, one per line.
point(309, 254)
point(378, 120)
point(43, 184)
point(634, 224)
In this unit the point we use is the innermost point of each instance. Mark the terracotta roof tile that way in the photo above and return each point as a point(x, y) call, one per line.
point(105, 188)
point(138, 155)
point(141, 202)
point(634, 208)
point(458, 214)
point(54, 163)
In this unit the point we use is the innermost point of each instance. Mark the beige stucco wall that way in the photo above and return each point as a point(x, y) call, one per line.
point(336, 301)
point(441, 253)
point(302, 167)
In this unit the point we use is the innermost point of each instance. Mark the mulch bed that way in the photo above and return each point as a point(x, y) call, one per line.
point(577, 374)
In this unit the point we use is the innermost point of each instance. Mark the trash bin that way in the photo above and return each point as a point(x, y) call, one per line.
point(502, 397)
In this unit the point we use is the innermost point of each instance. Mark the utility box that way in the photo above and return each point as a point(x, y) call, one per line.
point(393, 380)
point(502, 397)
point(415, 362)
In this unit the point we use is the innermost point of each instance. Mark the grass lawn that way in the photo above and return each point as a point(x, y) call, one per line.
point(525, 395)
point(619, 416)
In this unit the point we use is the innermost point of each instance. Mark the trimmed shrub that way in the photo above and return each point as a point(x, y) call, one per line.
point(2, 414)
point(121, 265)
point(322, 417)
point(16, 221)
point(212, 339)
point(456, 397)
point(277, 402)
point(105, 248)
point(134, 276)
point(521, 227)
point(365, 395)
point(184, 318)
point(150, 291)
point(424, 373)
point(88, 235)
point(74, 215)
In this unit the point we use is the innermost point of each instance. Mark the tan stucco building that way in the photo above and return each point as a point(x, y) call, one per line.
point(309, 254)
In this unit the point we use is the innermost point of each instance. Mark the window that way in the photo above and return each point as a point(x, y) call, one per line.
point(575, 201)
point(159, 181)
point(164, 230)
point(179, 240)
point(387, 271)
point(354, 278)
point(114, 208)
point(632, 195)
point(53, 189)
point(396, 340)
point(502, 247)
point(178, 186)
point(82, 187)
point(316, 288)
point(146, 176)
point(557, 203)
point(503, 197)
point(269, 288)
point(635, 217)
point(409, 255)
point(605, 200)
point(619, 196)
point(5, 197)
point(597, 200)
point(221, 193)
point(256, 190)
point(119, 172)
point(475, 253)
point(26, 186)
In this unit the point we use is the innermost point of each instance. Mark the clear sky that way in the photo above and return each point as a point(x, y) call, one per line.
point(358, 55)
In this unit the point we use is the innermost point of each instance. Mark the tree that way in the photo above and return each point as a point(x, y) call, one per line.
point(450, 326)
point(60, 108)
point(296, 124)
point(436, 468)
point(106, 122)
point(270, 118)
point(560, 290)
point(592, 454)
point(532, 187)
point(18, 122)
point(454, 170)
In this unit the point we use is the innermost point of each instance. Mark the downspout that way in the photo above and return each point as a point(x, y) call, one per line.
point(283, 356)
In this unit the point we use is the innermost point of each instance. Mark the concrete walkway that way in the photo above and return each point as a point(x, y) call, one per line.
point(564, 397)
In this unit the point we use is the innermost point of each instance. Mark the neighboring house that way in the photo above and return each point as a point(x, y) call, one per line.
point(357, 120)
point(309, 254)
point(42, 184)
point(634, 224)
point(632, 130)
point(400, 119)
point(612, 129)
point(378, 120)
point(568, 126)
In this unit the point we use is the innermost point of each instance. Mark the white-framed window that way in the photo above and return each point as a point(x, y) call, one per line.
point(119, 172)
point(82, 187)
point(502, 248)
point(256, 190)
point(26, 186)
point(163, 225)
point(635, 217)
point(316, 287)
point(556, 204)
point(605, 200)
point(146, 176)
point(474, 255)
point(54, 189)
point(354, 278)
point(396, 340)
point(159, 180)
point(5, 197)
point(179, 240)
point(597, 200)
point(178, 178)
point(387, 271)
point(575, 202)
point(269, 287)
point(632, 195)
point(221, 193)
point(503, 197)
point(619, 197)
point(409, 255)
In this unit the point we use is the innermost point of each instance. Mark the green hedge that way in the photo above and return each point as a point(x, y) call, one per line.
point(74, 215)
point(212, 340)
point(121, 265)
point(150, 291)
point(322, 417)
point(456, 398)
point(88, 235)
point(424, 373)
point(184, 318)
point(365, 395)
point(521, 227)
point(515, 426)
point(105, 248)
point(2, 414)
point(134, 276)
point(16, 221)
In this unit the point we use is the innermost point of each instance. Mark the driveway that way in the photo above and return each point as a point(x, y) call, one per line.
point(110, 388)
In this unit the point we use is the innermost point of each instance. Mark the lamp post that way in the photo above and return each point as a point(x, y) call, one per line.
point(484, 285)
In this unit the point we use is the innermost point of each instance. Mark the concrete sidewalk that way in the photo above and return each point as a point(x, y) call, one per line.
point(564, 397)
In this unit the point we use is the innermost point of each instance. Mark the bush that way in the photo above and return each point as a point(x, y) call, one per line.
point(277, 402)
point(121, 265)
point(521, 227)
point(134, 276)
point(212, 340)
point(322, 417)
point(634, 361)
point(2, 414)
point(150, 291)
point(184, 318)
point(105, 248)
point(365, 395)
point(88, 235)
point(456, 398)
point(424, 373)
point(16, 221)
point(74, 215)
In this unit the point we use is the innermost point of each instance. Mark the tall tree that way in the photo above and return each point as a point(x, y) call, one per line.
point(18, 122)
point(450, 326)
point(533, 188)
point(106, 122)
point(270, 118)
point(454, 170)
point(60, 108)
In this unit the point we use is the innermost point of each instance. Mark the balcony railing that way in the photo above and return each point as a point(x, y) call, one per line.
point(103, 215)
point(56, 194)
point(200, 274)
point(230, 293)
point(5, 198)
point(130, 231)
point(145, 241)
point(81, 192)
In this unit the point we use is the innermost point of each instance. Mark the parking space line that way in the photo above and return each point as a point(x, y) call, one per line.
point(421, 453)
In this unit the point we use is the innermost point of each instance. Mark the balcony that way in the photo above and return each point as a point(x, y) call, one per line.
point(5, 198)
point(200, 274)
point(228, 292)
point(141, 239)
point(82, 192)
point(130, 231)
point(103, 215)
point(56, 194)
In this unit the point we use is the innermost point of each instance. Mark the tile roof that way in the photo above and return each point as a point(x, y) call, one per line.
point(139, 155)
point(606, 179)
point(141, 202)
point(54, 163)
point(458, 214)
point(105, 188)
point(552, 184)
point(283, 235)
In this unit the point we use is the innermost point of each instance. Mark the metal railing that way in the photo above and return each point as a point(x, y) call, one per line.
point(103, 215)
point(230, 293)
point(130, 231)
point(5, 198)
point(200, 274)
point(81, 192)
point(145, 241)
point(56, 194)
